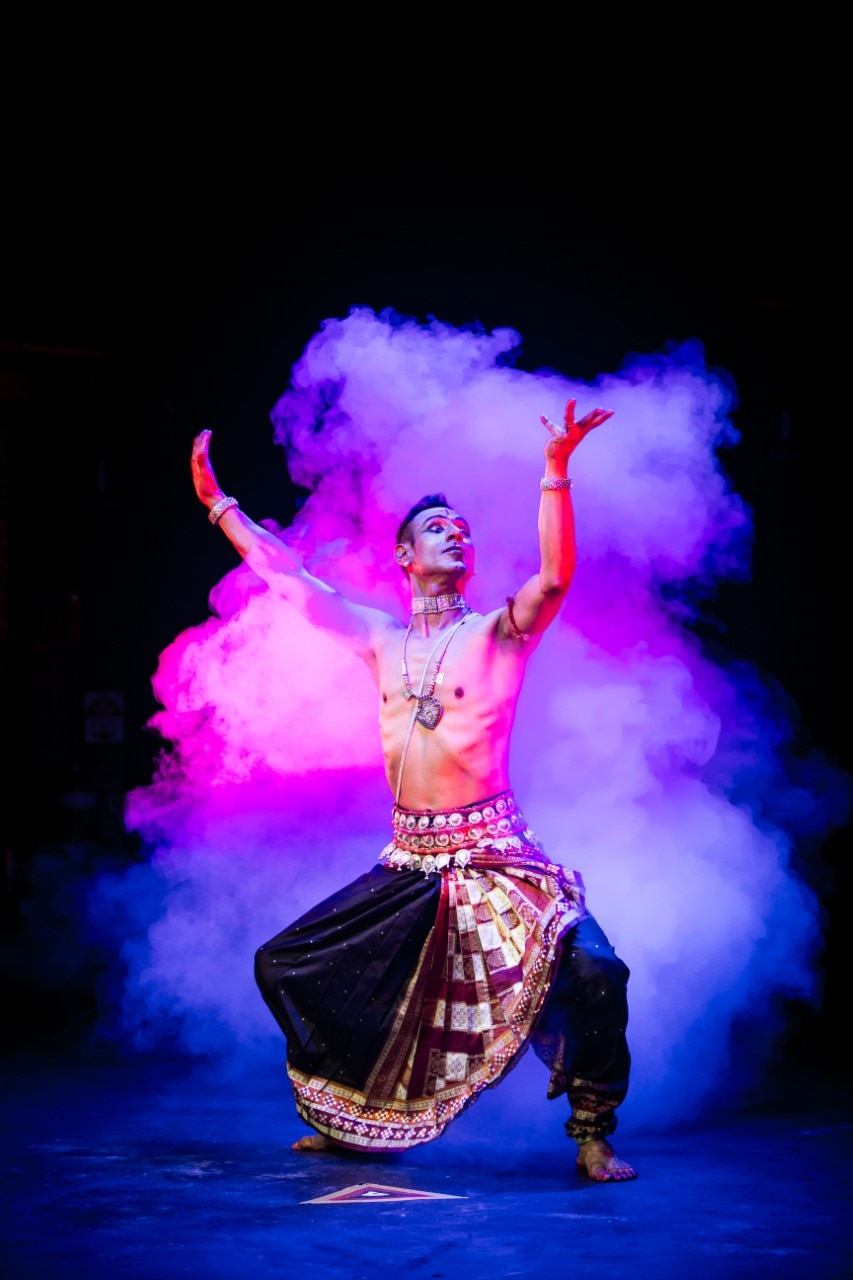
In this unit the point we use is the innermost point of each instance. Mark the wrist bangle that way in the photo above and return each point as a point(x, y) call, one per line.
point(560, 483)
point(217, 511)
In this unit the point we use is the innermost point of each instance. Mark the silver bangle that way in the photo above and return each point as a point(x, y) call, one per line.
point(560, 483)
point(217, 511)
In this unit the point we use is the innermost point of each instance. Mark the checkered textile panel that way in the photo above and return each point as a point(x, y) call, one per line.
point(469, 1008)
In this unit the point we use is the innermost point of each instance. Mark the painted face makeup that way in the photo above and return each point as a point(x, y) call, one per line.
point(441, 520)
point(441, 541)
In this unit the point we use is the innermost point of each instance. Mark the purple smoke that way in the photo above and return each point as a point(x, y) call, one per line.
point(665, 777)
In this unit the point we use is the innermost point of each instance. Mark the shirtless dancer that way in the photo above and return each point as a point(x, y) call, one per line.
point(445, 730)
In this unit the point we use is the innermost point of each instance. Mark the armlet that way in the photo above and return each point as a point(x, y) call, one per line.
point(519, 635)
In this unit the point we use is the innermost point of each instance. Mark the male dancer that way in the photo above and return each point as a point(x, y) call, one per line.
point(406, 993)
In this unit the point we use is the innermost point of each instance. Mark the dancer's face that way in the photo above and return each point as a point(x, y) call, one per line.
point(438, 545)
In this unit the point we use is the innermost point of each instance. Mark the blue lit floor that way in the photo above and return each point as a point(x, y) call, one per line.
point(145, 1169)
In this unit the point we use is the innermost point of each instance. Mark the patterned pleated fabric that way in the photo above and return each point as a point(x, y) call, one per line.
point(408, 992)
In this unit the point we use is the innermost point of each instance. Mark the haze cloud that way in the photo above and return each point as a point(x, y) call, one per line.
point(670, 781)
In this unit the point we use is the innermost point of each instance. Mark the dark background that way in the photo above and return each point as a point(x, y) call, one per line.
point(143, 301)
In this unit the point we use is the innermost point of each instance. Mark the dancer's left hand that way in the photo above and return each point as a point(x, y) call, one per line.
point(565, 440)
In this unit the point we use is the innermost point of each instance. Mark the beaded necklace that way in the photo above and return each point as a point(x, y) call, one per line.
point(429, 710)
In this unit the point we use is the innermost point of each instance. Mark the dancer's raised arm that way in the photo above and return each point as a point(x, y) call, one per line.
point(355, 626)
point(538, 602)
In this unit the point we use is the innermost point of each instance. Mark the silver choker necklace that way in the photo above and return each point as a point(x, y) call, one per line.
point(439, 604)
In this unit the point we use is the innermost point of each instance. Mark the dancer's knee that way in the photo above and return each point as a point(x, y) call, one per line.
point(599, 969)
point(263, 968)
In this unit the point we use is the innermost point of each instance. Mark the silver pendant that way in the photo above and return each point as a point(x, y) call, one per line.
point(429, 712)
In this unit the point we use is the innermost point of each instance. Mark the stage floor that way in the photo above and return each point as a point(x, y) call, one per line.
point(133, 1169)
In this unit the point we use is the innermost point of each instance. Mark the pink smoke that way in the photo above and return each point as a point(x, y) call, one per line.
point(662, 776)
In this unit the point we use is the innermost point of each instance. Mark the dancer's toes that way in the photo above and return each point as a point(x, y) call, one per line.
point(597, 1160)
point(313, 1142)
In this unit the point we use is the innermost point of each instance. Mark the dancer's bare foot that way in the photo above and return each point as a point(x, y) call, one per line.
point(314, 1142)
point(597, 1160)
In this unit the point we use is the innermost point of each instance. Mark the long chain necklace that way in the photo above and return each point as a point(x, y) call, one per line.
point(429, 709)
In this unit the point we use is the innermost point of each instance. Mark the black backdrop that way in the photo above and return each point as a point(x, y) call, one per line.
point(145, 301)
